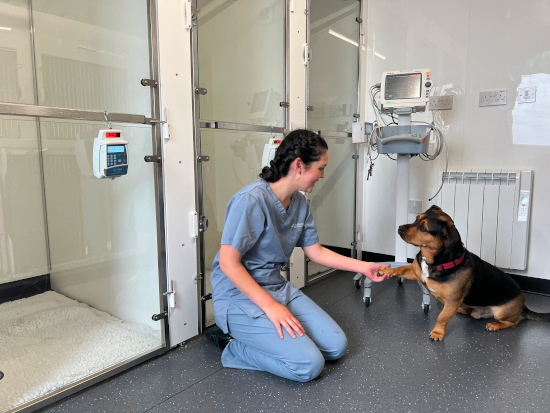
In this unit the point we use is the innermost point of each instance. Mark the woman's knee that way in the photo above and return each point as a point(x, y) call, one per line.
point(337, 346)
point(309, 367)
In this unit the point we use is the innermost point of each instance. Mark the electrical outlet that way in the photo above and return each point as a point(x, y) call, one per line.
point(492, 98)
point(441, 102)
point(415, 206)
point(527, 94)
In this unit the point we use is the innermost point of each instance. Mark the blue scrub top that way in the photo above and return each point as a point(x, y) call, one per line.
point(258, 226)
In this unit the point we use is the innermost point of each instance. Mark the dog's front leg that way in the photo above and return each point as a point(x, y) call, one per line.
point(406, 271)
point(450, 308)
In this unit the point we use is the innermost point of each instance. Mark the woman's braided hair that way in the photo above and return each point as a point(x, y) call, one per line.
point(300, 143)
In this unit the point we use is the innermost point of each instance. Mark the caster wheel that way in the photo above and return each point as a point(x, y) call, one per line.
point(400, 281)
point(357, 284)
point(366, 300)
point(426, 308)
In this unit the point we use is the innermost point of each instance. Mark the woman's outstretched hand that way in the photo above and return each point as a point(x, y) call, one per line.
point(281, 316)
point(371, 271)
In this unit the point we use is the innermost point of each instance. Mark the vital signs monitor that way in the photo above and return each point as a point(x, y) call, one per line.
point(110, 154)
point(410, 89)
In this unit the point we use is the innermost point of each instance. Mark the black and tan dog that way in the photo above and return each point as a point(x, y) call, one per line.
point(461, 280)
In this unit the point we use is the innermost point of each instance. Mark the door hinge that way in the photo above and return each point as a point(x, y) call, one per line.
point(310, 108)
point(160, 316)
point(200, 91)
point(149, 82)
point(206, 297)
point(152, 158)
point(203, 158)
point(284, 104)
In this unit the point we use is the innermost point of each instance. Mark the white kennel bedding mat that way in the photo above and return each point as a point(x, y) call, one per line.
point(49, 341)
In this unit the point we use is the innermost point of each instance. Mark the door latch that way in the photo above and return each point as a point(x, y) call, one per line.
point(203, 224)
point(149, 82)
point(160, 316)
point(152, 158)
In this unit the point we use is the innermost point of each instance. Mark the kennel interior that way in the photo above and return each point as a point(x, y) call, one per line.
point(79, 256)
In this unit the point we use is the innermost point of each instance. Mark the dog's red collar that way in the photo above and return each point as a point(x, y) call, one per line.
point(452, 264)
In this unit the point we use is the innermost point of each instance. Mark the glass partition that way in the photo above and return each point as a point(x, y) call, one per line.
point(235, 161)
point(88, 57)
point(23, 246)
point(333, 199)
point(334, 42)
point(102, 226)
point(240, 43)
point(16, 69)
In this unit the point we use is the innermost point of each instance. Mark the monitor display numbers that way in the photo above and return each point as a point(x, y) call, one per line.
point(403, 86)
point(115, 149)
point(112, 134)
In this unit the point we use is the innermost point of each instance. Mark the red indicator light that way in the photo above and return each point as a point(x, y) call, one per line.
point(277, 142)
point(112, 134)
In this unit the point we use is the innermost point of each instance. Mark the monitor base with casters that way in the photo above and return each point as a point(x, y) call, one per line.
point(367, 285)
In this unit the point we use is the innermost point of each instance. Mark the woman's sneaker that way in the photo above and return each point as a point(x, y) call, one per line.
point(219, 338)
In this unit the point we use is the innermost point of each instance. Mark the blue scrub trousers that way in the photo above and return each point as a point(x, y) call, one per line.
point(257, 345)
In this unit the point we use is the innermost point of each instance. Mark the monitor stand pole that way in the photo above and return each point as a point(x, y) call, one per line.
point(401, 217)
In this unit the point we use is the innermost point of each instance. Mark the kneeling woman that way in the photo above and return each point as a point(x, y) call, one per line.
point(265, 323)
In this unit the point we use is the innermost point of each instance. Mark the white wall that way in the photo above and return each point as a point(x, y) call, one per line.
point(470, 46)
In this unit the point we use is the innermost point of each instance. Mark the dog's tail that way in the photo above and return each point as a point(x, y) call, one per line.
point(531, 315)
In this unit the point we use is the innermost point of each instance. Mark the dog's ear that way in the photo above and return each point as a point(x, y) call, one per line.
point(434, 208)
point(450, 233)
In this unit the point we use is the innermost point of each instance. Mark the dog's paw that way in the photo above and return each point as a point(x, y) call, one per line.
point(384, 271)
point(437, 336)
point(499, 325)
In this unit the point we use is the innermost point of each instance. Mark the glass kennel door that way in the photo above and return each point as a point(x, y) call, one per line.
point(238, 43)
point(334, 41)
point(79, 256)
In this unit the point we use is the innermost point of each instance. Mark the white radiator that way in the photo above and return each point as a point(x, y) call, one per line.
point(491, 211)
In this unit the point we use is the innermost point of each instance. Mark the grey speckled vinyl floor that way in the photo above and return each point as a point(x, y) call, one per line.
point(390, 366)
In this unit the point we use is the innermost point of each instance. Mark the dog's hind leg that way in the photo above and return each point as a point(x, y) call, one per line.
point(507, 315)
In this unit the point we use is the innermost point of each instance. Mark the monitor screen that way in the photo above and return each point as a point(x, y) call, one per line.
point(403, 86)
point(115, 148)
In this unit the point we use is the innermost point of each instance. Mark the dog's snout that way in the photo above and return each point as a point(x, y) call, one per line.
point(402, 229)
